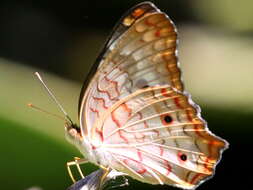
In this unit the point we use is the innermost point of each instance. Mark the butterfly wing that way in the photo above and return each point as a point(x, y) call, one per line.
point(157, 136)
point(135, 111)
point(126, 21)
point(143, 37)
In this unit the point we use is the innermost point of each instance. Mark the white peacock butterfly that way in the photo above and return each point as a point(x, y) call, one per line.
point(135, 117)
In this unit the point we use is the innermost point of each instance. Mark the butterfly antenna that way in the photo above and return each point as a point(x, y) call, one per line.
point(44, 111)
point(53, 97)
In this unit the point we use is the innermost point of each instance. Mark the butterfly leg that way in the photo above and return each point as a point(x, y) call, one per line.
point(77, 161)
point(106, 172)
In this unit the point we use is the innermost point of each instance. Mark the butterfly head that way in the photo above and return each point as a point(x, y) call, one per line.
point(73, 132)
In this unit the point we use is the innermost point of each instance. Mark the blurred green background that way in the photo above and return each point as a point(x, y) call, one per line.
point(62, 39)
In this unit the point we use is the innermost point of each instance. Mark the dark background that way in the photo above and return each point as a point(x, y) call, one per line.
point(64, 38)
point(41, 33)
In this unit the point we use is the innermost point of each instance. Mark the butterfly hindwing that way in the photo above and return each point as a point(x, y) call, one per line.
point(156, 136)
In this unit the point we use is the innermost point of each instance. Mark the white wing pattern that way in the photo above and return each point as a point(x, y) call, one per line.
point(135, 111)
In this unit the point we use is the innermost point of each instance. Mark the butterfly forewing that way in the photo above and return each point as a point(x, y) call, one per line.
point(135, 110)
point(144, 55)
point(126, 21)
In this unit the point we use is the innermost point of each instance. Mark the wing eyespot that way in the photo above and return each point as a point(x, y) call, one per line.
point(167, 119)
point(183, 157)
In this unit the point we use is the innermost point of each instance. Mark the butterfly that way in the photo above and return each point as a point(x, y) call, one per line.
point(135, 117)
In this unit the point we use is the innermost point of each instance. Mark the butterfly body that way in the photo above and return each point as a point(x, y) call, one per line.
point(135, 116)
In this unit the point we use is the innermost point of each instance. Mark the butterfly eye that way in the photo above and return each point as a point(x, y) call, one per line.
point(183, 157)
point(168, 119)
